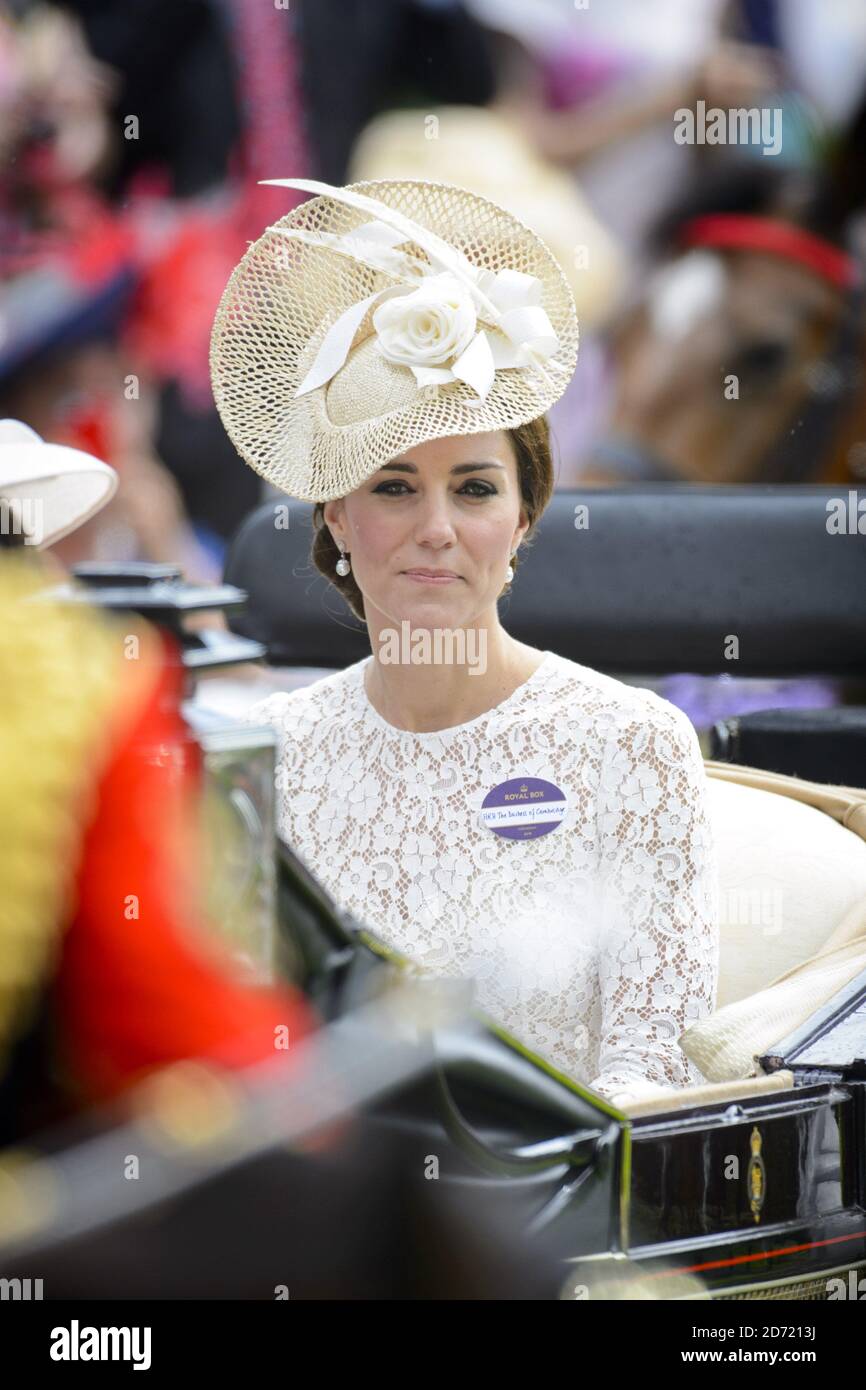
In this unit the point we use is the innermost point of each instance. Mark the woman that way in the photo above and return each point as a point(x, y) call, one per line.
point(492, 810)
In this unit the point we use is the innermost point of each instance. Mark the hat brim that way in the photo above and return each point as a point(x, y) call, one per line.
point(65, 486)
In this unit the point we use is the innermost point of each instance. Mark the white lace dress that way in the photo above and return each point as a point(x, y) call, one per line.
point(595, 944)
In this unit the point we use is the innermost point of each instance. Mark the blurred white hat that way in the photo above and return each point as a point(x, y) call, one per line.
point(55, 488)
point(484, 150)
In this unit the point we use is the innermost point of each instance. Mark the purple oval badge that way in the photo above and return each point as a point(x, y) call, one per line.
point(523, 808)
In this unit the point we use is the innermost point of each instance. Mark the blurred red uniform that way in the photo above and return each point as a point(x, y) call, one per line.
point(102, 902)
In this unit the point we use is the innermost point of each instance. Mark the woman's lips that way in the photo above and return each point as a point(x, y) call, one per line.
point(432, 576)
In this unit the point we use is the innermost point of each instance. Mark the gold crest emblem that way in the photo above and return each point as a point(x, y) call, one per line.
point(756, 1177)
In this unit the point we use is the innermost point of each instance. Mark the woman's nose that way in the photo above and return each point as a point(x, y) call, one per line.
point(434, 524)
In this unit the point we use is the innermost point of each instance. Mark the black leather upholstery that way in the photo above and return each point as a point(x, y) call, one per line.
point(822, 745)
point(658, 581)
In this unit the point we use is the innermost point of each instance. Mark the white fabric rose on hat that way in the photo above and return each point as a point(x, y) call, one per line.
point(432, 326)
point(428, 327)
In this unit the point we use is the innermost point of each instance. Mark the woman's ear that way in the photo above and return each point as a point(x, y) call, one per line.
point(332, 515)
point(520, 530)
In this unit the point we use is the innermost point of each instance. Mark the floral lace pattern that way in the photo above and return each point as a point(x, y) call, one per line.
point(596, 944)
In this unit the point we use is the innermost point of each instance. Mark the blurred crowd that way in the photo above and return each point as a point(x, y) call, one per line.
point(133, 136)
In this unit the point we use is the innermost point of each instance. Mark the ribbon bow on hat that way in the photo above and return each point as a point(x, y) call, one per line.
point(431, 321)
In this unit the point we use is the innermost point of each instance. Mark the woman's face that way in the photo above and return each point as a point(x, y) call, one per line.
point(431, 534)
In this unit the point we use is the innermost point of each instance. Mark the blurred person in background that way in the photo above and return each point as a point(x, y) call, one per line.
point(108, 968)
point(598, 86)
point(740, 356)
point(70, 269)
point(176, 114)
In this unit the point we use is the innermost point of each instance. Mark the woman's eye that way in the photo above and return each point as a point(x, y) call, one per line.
point(389, 489)
point(396, 488)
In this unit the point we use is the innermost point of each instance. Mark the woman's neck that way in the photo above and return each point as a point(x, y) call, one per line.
point(423, 679)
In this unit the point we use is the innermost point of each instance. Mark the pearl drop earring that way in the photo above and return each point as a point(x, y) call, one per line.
point(509, 573)
point(343, 567)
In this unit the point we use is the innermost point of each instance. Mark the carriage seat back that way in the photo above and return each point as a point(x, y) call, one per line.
point(640, 581)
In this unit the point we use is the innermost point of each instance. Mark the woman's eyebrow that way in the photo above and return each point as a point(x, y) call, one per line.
point(458, 467)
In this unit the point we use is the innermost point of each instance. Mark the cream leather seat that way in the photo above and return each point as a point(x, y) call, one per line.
point(788, 876)
point(792, 918)
point(793, 854)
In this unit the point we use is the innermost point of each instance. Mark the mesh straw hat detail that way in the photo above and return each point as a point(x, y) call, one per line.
point(380, 316)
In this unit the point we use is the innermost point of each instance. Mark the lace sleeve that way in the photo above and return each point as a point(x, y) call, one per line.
point(658, 947)
point(266, 710)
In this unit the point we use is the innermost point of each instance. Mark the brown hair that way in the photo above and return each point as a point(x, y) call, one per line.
point(531, 443)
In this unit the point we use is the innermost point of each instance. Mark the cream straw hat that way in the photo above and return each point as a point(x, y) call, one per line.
point(380, 316)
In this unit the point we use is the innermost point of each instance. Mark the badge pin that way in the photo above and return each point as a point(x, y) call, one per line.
point(523, 808)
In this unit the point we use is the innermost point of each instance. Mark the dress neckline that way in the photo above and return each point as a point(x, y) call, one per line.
point(538, 676)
